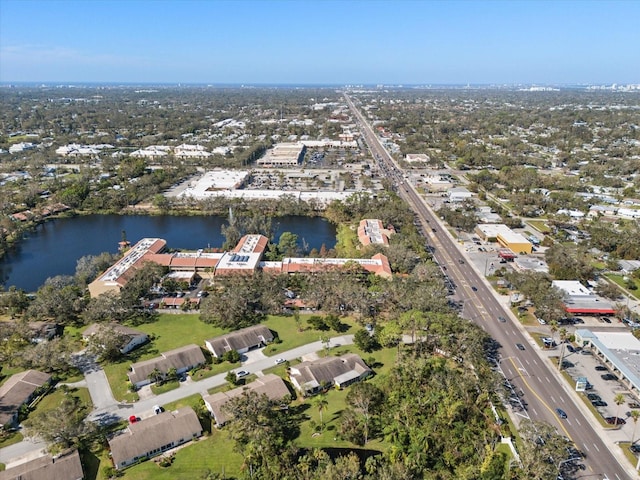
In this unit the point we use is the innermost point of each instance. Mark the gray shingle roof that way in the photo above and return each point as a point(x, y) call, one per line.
point(63, 467)
point(17, 390)
point(240, 339)
point(153, 433)
point(184, 357)
point(270, 385)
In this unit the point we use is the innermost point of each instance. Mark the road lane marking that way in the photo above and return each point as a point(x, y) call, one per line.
point(553, 399)
point(535, 394)
point(596, 447)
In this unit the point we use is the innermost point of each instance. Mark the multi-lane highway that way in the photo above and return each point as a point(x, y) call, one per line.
point(543, 388)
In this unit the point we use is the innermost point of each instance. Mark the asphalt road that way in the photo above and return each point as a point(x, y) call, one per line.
point(543, 388)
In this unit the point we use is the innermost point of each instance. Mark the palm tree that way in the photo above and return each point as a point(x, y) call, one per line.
point(635, 414)
point(618, 400)
point(322, 405)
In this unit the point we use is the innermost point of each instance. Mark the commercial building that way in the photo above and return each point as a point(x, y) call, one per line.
point(373, 231)
point(458, 194)
point(620, 351)
point(283, 155)
point(153, 436)
point(506, 237)
point(270, 385)
point(17, 391)
point(579, 300)
point(241, 340)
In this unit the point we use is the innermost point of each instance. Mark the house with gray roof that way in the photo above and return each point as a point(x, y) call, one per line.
point(153, 436)
point(182, 359)
point(270, 385)
point(241, 340)
point(60, 467)
point(132, 338)
point(18, 390)
point(313, 376)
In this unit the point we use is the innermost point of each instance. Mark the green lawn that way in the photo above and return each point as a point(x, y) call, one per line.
point(166, 387)
point(540, 225)
point(213, 453)
point(10, 439)
point(292, 338)
point(53, 399)
point(194, 460)
point(171, 331)
point(618, 279)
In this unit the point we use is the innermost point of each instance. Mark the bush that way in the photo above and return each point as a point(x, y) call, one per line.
point(232, 356)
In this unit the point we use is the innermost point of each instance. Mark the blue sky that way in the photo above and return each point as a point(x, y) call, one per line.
point(320, 42)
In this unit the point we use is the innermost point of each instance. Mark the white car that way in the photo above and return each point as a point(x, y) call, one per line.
point(280, 361)
point(241, 373)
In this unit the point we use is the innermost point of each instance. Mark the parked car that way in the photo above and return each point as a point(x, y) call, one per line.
point(241, 373)
point(599, 403)
point(567, 364)
point(133, 419)
point(585, 352)
point(157, 409)
point(635, 448)
point(571, 348)
point(608, 376)
point(593, 396)
point(280, 361)
point(601, 368)
point(615, 421)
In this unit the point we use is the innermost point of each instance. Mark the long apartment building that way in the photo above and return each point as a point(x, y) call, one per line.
point(245, 258)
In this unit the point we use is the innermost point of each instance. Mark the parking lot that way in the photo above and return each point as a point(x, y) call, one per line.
point(602, 387)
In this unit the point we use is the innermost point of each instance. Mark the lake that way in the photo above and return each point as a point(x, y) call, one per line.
point(55, 246)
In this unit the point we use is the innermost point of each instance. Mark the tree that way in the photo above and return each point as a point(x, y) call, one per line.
point(321, 404)
point(156, 376)
point(62, 427)
point(619, 401)
point(365, 341)
point(232, 378)
point(366, 399)
point(635, 415)
point(107, 342)
point(261, 432)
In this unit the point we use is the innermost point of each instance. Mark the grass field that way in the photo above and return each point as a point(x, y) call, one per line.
point(194, 460)
point(618, 279)
point(171, 331)
point(540, 225)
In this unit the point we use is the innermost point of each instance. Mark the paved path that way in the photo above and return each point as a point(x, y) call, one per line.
point(108, 410)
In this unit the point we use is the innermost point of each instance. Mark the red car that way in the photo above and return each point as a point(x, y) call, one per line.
point(133, 419)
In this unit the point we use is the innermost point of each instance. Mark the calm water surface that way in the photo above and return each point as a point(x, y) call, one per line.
point(55, 246)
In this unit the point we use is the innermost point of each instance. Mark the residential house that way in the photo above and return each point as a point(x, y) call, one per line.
point(60, 467)
point(313, 376)
point(154, 435)
point(182, 359)
point(270, 385)
point(17, 391)
point(132, 338)
point(241, 340)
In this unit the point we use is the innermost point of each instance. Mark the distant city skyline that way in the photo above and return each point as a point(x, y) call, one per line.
point(320, 42)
